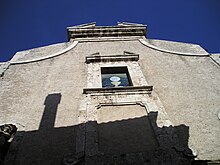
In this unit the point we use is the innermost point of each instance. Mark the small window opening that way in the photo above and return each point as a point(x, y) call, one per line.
point(115, 77)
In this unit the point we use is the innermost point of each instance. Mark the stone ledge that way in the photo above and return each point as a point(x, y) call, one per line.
point(90, 59)
point(118, 89)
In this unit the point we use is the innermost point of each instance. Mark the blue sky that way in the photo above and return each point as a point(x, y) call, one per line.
point(27, 24)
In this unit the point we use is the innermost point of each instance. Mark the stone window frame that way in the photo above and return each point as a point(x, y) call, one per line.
point(96, 62)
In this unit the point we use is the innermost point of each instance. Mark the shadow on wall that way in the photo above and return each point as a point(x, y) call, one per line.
point(117, 142)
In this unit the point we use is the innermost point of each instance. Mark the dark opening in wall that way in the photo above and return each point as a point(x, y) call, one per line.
point(115, 77)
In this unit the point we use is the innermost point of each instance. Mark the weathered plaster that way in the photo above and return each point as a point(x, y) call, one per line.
point(185, 84)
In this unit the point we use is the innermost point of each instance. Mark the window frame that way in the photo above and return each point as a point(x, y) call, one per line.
point(116, 70)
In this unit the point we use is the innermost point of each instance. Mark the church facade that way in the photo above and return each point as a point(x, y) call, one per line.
point(110, 95)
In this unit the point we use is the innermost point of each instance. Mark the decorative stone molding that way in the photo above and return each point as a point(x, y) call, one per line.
point(147, 89)
point(112, 58)
point(144, 42)
point(46, 57)
point(91, 30)
point(94, 71)
point(215, 58)
point(3, 67)
point(119, 103)
point(7, 133)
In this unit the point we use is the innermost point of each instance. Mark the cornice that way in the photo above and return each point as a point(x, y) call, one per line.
point(121, 30)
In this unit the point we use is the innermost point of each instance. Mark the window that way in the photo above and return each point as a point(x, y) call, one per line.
point(115, 77)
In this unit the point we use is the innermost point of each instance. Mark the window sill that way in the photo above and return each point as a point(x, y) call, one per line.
point(118, 89)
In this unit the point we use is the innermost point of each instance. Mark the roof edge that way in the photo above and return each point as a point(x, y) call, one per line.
point(148, 44)
point(11, 62)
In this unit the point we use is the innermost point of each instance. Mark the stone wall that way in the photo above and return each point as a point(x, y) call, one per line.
point(45, 100)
